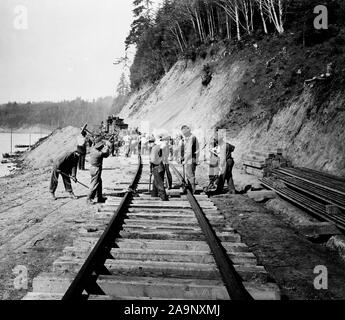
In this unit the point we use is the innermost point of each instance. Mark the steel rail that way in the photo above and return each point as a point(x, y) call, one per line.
point(321, 178)
point(326, 196)
point(85, 281)
point(311, 187)
point(319, 184)
point(308, 204)
point(323, 174)
point(317, 178)
point(231, 279)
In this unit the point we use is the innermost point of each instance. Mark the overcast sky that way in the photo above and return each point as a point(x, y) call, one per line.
point(67, 50)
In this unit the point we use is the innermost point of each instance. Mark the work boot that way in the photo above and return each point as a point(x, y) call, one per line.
point(102, 200)
point(53, 196)
point(73, 196)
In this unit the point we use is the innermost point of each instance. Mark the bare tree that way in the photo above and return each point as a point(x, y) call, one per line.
point(274, 11)
point(232, 9)
point(259, 3)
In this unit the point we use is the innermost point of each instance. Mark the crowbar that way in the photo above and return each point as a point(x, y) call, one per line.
point(68, 176)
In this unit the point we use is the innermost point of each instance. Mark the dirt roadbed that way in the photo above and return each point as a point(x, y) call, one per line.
point(288, 257)
point(34, 230)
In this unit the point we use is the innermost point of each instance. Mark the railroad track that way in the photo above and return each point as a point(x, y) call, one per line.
point(140, 248)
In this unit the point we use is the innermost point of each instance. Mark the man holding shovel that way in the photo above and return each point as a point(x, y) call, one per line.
point(66, 166)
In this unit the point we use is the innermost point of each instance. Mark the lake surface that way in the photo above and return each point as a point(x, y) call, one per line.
point(17, 139)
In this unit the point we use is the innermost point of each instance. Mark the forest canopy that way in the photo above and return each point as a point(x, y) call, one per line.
point(187, 28)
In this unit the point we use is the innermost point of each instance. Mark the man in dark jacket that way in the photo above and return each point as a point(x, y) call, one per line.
point(226, 165)
point(66, 166)
point(97, 154)
point(190, 158)
point(164, 143)
point(157, 170)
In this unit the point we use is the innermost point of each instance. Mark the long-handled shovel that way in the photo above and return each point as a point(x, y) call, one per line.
point(68, 176)
point(150, 184)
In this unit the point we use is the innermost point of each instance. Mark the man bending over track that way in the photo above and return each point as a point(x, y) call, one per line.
point(67, 166)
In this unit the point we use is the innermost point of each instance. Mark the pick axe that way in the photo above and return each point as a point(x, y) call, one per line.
point(84, 129)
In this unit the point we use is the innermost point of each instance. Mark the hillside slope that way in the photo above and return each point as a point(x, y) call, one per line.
point(58, 143)
point(258, 94)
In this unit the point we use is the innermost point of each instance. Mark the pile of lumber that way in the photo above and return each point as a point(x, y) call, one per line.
point(319, 193)
point(261, 164)
point(12, 156)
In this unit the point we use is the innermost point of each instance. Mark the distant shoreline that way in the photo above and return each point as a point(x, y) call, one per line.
point(29, 130)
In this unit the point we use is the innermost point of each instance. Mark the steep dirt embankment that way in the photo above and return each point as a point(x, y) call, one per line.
point(61, 141)
point(258, 94)
point(180, 98)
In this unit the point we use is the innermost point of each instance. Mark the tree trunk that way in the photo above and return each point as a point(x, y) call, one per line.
point(199, 26)
point(237, 22)
point(228, 26)
point(262, 16)
point(280, 6)
point(182, 36)
point(175, 33)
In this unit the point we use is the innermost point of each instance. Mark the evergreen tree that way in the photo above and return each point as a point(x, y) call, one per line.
point(123, 88)
point(142, 21)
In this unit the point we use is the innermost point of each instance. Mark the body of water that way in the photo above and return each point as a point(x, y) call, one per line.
point(17, 139)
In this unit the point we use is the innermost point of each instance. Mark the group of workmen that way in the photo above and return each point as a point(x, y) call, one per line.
point(161, 151)
point(185, 149)
point(67, 166)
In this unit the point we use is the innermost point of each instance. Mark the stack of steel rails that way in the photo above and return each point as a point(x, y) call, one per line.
point(321, 194)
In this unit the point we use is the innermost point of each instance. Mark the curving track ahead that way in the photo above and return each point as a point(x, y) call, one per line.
point(181, 249)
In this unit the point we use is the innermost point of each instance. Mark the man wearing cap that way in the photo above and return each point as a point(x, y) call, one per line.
point(157, 170)
point(67, 166)
point(190, 155)
point(97, 154)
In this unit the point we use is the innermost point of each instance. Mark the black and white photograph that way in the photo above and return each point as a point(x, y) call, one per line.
point(186, 152)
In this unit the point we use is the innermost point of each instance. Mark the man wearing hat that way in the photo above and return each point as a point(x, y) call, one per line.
point(82, 143)
point(67, 166)
point(157, 170)
point(97, 154)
